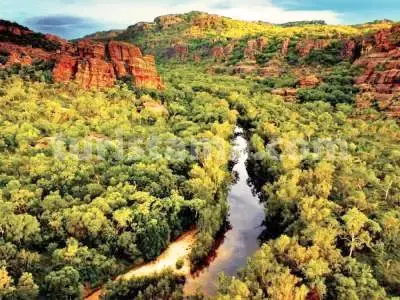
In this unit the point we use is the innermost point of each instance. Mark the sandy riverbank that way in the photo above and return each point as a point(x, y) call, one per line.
point(179, 249)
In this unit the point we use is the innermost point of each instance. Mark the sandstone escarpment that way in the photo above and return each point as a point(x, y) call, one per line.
point(22, 55)
point(285, 46)
point(379, 82)
point(218, 53)
point(206, 20)
point(168, 21)
point(304, 47)
point(309, 81)
point(254, 46)
point(95, 65)
point(90, 64)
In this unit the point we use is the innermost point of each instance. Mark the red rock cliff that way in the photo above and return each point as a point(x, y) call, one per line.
point(380, 81)
point(89, 64)
point(95, 65)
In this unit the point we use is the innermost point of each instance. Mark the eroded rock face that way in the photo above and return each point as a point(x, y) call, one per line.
point(262, 42)
point(309, 81)
point(94, 73)
point(285, 47)
point(179, 50)
point(65, 69)
point(379, 83)
point(89, 49)
point(206, 20)
point(304, 47)
point(100, 65)
point(349, 49)
point(218, 53)
point(254, 46)
point(90, 64)
point(168, 21)
point(23, 55)
point(389, 39)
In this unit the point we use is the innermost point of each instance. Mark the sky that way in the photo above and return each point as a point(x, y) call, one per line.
point(75, 18)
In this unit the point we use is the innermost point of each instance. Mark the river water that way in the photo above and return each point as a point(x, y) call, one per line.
point(246, 215)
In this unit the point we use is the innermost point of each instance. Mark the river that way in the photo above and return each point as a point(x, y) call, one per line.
point(246, 216)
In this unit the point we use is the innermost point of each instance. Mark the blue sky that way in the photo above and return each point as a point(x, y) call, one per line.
point(74, 18)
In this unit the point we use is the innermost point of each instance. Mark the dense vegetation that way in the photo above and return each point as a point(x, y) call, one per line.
point(337, 87)
point(165, 285)
point(93, 181)
point(331, 182)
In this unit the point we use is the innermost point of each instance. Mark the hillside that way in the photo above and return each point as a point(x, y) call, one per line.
point(87, 63)
point(294, 60)
point(114, 146)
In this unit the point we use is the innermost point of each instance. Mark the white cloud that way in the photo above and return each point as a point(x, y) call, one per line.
point(127, 13)
point(121, 13)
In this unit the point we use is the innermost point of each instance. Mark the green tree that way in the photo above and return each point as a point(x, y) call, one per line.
point(359, 230)
point(63, 284)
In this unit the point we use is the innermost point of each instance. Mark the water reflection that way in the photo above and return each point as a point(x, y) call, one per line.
point(246, 216)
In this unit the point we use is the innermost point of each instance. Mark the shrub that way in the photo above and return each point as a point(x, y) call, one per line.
point(179, 263)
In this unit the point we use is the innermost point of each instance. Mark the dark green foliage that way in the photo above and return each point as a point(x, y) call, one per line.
point(63, 284)
point(40, 70)
point(165, 285)
point(237, 54)
point(273, 47)
point(337, 87)
point(303, 23)
point(4, 57)
point(284, 81)
point(328, 56)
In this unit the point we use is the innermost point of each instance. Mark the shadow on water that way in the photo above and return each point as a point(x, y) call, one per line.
point(245, 225)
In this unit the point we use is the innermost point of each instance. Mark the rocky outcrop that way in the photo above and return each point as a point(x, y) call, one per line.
point(349, 49)
point(90, 64)
point(254, 46)
point(218, 53)
point(23, 55)
point(96, 65)
point(285, 47)
point(65, 69)
point(167, 21)
point(309, 81)
point(289, 94)
point(262, 42)
point(379, 83)
point(304, 47)
point(387, 40)
point(206, 20)
point(94, 73)
point(129, 61)
point(179, 50)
